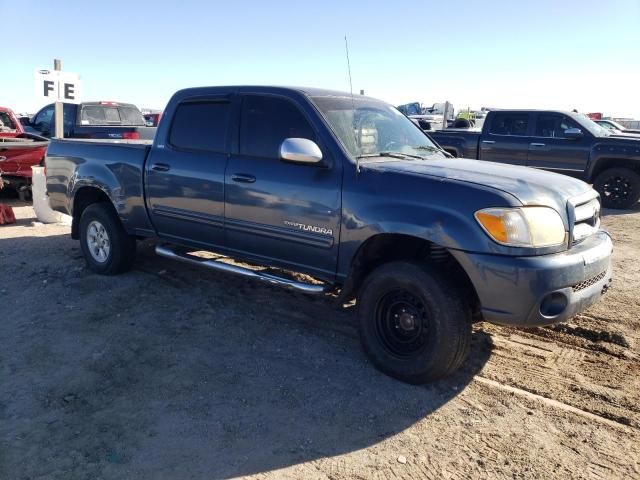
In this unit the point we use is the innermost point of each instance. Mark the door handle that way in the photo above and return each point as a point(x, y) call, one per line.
point(243, 177)
point(537, 145)
point(160, 167)
point(488, 142)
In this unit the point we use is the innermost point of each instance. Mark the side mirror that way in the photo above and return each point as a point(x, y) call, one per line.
point(573, 133)
point(300, 150)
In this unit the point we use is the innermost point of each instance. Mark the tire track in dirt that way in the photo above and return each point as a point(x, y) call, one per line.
point(575, 376)
point(557, 404)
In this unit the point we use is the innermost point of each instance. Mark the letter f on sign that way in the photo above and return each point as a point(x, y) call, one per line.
point(48, 87)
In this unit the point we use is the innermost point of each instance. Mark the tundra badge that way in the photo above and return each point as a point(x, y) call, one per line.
point(309, 228)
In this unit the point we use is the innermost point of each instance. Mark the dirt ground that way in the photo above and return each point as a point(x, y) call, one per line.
point(170, 372)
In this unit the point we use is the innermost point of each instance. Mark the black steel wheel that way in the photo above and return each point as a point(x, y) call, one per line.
point(415, 325)
point(618, 187)
point(402, 323)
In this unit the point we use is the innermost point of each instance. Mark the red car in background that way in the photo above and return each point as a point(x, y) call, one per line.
point(19, 151)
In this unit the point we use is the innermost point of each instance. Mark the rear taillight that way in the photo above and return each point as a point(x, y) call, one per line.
point(131, 136)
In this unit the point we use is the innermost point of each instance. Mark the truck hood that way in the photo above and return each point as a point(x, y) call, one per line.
point(621, 137)
point(528, 185)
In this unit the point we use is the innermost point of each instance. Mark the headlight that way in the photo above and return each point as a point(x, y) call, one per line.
point(523, 227)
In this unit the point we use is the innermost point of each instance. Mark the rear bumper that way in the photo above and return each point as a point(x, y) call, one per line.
point(540, 290)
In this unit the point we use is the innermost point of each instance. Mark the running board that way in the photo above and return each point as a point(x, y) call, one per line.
point(167, 252)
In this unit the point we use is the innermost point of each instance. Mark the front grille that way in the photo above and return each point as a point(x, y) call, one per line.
point(586, 217)
point(587, 283)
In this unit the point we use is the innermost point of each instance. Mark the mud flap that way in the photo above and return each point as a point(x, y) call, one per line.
point(6, 215)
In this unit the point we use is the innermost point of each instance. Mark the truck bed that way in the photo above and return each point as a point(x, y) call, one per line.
point(73, 164)
point(460, 142)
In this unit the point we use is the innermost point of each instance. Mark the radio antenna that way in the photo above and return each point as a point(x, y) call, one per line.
point(353, 105)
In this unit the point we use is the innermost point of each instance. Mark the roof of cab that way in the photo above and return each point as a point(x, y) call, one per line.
point(307, 91)
point(531, 110)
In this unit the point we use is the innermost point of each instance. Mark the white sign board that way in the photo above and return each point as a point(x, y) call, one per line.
point(55, 86)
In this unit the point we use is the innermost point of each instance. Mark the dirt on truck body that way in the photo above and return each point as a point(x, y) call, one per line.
point(170, 371)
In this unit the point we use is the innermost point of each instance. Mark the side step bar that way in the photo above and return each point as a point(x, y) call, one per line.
point(167, 252)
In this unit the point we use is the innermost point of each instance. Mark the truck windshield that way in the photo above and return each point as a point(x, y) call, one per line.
point(370, 128)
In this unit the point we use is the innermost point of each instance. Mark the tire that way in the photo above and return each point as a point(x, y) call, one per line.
point(431, 339)
point(618, 187)
point(107, 248)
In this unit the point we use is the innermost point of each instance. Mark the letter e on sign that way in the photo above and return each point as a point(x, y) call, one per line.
point(68, 91)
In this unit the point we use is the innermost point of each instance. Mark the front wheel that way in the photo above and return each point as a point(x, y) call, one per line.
point(106, 246)
point(618, 187)
point(414, 324)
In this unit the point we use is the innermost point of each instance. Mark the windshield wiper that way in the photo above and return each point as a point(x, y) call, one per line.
point(431, 148)
point(399, 155)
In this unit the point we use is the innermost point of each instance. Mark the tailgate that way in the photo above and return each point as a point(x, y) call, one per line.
point(115, 132)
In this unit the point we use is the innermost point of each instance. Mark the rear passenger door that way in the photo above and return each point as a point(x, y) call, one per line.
point(276, 212)
point(550, 149)
point(506, 139)
point(185, 177)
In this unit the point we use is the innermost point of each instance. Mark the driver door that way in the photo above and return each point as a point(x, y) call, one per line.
point(550, 149)
point(277, 212)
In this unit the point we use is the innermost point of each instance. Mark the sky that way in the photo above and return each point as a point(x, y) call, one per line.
point(582, 54)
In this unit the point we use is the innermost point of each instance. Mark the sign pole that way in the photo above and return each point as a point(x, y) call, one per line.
point(445, 114)
point(59, 116)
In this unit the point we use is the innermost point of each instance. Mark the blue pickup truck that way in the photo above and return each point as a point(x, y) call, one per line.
point(563, 142)
point(350, 192)
point(108, 120)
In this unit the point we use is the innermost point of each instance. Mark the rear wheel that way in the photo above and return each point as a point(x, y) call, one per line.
point(106, 246)
point(618, 187)
point(414, 324)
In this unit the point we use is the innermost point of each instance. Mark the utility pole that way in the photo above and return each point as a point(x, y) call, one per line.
point(59, 115)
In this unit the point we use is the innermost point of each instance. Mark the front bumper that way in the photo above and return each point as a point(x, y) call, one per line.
point(540, 290)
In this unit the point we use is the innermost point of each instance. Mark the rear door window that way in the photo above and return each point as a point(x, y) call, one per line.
point(201, 125)
point(266, 122)
point(510, 124)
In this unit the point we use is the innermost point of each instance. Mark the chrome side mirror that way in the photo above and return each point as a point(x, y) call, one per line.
point(573, 133)
point(300, 150)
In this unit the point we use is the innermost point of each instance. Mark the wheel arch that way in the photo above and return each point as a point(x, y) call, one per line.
point(605, 163)
point(388, 247)
point(83, 197)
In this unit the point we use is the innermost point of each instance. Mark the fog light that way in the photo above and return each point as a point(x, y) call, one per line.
point(553, 304)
